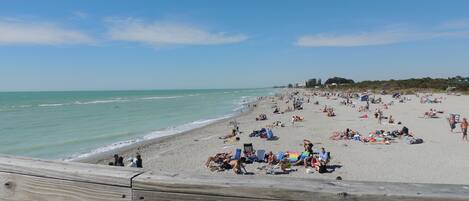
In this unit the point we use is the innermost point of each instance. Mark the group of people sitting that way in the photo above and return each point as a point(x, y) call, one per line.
point(279, 163)
point(348, 134)
point(376, 137)
point(264, 133)
point(296, 118)
point(329, 111)
point(261, 117)
point(226, 161)
point(432, 113)
point(136, 162)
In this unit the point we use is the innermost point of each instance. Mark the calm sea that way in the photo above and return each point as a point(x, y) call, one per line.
point(66, 125)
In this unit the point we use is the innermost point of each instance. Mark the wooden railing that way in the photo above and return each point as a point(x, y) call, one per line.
point(38, 180)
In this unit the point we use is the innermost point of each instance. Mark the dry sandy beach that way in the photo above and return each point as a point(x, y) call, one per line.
point(442, 158)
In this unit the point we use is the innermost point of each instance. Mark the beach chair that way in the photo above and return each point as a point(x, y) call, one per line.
point(249, 153)
point(248, 149)
point(260, 155)
point(237, 155)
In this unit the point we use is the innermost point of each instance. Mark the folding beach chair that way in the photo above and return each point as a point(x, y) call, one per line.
point(249, 149)
point(260, 155)
point(237, 155)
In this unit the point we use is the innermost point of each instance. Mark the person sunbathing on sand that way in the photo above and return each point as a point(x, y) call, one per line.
point(261, 117)
point(218, 158)
point(233, 134)
point(330, 112)
point(236, 165)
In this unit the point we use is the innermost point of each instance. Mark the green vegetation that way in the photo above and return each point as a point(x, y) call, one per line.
point(457, 84)
point(339, 80)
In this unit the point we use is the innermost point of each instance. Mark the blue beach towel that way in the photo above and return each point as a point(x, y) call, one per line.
point(270, 134)
point(280, 155)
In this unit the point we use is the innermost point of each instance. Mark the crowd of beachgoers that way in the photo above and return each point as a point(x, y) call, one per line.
point(324, 134)
point(318, 159)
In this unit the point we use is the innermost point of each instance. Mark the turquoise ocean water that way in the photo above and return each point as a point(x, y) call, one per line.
point(66, 125)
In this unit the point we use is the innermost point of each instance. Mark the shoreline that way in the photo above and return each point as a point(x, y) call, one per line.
point(134, 147)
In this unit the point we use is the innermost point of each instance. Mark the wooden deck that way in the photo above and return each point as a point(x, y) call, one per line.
point(37, 180)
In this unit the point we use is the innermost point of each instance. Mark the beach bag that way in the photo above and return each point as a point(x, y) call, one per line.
point(418, 141)
point(322, 169)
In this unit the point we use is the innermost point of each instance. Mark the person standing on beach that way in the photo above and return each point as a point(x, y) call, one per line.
point(452, 122)
point(116, 159)
point(139, 161)
point(464, 125)
point(380, 116)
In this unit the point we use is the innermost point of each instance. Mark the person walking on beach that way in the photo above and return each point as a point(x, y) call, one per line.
point(464, 125)
point(452, 122)
point(380, 116)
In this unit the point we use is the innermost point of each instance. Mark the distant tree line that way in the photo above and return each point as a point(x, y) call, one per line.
point(339, 80)
point(457, 83)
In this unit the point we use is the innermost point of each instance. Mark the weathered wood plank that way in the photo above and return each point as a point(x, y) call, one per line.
point(282, 188)
point(17, 187)
point(139, 195)
point(99, 174)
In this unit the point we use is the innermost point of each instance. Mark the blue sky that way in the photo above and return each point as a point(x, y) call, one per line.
point(96, 45)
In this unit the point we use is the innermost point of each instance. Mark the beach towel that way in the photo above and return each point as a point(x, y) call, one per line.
point(293, 156)
point(270, 134)
point(280, 155)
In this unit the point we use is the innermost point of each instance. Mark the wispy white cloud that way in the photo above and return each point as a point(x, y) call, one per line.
point(15, 31)
point(382, 37)
point(455, 24)
point(164, 33)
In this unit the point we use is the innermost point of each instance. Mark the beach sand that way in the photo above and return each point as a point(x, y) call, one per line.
point(442, 158)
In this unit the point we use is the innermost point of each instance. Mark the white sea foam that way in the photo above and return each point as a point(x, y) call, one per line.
point(161, 97)
point(51, 105)
point(101, 101)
